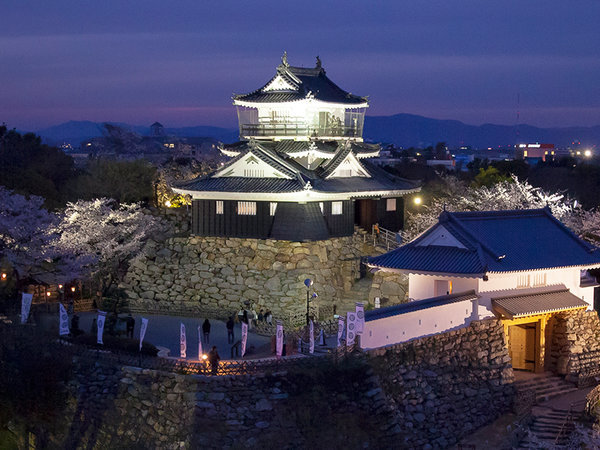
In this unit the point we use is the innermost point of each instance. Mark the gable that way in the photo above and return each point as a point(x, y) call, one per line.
point(440, 236)
point(349, 167)
point(250, 166)
point(279, 84)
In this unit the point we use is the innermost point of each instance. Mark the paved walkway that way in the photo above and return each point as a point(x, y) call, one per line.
point(163, 331)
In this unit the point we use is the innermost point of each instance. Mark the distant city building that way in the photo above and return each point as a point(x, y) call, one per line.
point(301, 170)
point(157, 129)
point(535, 152)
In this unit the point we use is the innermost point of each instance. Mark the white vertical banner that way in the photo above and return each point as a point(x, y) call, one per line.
point(200, 350)
point(311, 337)
point(63, 327)
point(244, 337)
point(350, 328)
point(279, 342)
point(143, 331)
point(340, 332)
point(100, 323)
point(25, 306)
point(360, 317)
point(182, 341)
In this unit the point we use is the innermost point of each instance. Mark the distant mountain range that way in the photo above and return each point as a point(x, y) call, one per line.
point(74, 132)
point(404, 130)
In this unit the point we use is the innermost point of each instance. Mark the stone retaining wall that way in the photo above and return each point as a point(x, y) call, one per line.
point(194, 272)
point(576, 342)
point(445, 386)
point(425, 393)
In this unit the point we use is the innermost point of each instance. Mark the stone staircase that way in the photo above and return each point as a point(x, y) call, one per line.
point(545, 385)
point(550, 425)
point(358, 293)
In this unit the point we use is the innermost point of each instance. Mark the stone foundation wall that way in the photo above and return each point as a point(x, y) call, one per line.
point(426, 393)
point(209, 272)
point(391, 288)
point(576, 342)
point(445, 386)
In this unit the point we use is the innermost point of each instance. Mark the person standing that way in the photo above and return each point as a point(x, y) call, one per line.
point(130, 321)
point(230, 325)
point(206, 331)
point(213, 359)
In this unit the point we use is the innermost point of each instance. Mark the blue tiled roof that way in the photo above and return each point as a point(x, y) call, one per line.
point(495, 241)
point(418, 305)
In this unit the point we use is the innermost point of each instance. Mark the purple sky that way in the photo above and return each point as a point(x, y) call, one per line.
point(179, 62)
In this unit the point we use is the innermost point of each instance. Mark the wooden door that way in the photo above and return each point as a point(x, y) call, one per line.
point(530, 346)
point(366, 213)
point(518, 340)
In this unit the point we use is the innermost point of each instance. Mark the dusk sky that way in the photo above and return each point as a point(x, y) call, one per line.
point(179, 62)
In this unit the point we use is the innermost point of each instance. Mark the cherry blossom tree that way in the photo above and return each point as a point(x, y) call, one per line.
point(456, 195)
point(113, 233)
point(27, 242)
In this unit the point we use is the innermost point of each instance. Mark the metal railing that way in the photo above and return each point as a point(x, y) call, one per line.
point(299, 129)
point(383, 238)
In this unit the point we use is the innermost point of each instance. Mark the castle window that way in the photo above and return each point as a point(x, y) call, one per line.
point(390, 204)
point(321, 206)
point(219, 206)
point(336, 208)
point(254, 173)
point(246, 208)
point(523, 281)
point(539, 279)
point(272, 208)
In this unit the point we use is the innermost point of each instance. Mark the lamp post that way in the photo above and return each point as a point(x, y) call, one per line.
point(308, 283)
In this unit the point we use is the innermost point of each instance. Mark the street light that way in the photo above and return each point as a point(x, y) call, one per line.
point(308, 283)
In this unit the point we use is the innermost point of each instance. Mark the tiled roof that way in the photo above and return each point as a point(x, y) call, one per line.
point(241, 184)
point(419, 305)
point(501, 241)
point(553, 300)
point(312, 82)
point(268, 152)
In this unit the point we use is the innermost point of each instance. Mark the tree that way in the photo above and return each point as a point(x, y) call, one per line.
point(31, 168)
point(27, 242)
point(124, 181)
point(113, 233)
point(456, 195)
point(490, 176)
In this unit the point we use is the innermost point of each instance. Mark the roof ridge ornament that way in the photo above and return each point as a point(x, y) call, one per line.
point(284, 61)
point(319, 64)
point(308, 186)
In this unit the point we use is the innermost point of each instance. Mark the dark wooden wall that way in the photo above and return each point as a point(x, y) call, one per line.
point(342, 224)
point(206, 222)
point(391, 220)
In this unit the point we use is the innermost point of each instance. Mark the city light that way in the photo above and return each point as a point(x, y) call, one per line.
point(587, 153)
point(73, 289)
point(204, 357)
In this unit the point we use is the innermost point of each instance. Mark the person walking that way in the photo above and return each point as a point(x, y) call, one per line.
point(230, 336)
point(206, 331)
point(213, 359)
point(130, 321)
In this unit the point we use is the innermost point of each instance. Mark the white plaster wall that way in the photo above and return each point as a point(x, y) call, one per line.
point(422, 286)
point(403, 327)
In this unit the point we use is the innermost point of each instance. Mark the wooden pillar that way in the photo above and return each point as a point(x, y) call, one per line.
point(540, 356)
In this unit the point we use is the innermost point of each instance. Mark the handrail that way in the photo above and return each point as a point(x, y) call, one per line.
point(568, 421)
point(384, 238)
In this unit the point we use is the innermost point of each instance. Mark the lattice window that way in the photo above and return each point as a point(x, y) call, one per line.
point(337, 208)
point(523, 281)
point(246, 208)
point(539, 279)
point(219, 206)
point(254, 173)
point(272, 208)
point(390, 204)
